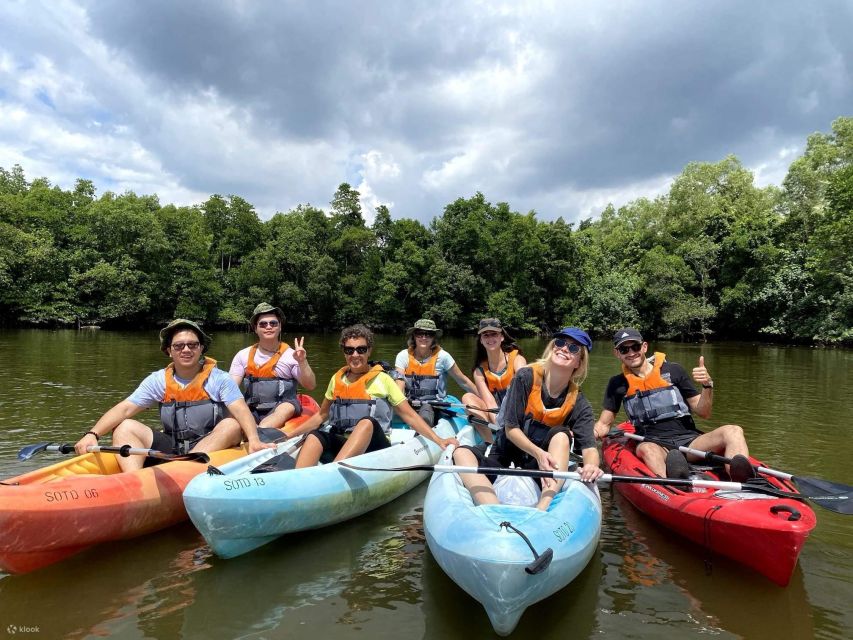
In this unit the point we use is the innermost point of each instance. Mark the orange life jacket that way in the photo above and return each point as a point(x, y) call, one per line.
point(187, 412)
point(422, 379)
point(535, 411)
point(499, 383)
point(264, 389)
point(353, 403)
point(194, 390)
point(267, 369)
point(652, 398)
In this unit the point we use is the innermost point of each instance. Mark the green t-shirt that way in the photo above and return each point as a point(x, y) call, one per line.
point(382, 386)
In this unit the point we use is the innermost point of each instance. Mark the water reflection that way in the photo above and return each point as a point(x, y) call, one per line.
point(664, 579)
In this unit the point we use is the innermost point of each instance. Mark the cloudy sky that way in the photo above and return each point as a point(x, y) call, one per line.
point(558, 107)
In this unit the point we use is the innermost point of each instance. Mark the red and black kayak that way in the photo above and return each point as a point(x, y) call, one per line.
point(762, 531)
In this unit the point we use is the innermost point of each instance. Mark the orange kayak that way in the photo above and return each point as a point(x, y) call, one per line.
point(51, 513)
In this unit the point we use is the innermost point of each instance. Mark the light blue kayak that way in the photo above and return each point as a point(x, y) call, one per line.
point(488, 559)
point(239, 510)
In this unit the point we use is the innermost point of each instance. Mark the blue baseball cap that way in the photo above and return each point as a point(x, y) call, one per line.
point(578, 335)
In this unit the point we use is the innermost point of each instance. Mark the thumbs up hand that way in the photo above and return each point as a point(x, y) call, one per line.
point(701, 375)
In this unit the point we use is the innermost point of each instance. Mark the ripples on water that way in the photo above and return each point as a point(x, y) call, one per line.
point(374, 576)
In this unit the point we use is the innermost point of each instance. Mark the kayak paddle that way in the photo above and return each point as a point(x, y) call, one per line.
point(124, 451)
point(759, 486)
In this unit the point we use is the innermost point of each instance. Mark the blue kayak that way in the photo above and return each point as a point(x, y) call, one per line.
point(239, 510)
point(473, 545)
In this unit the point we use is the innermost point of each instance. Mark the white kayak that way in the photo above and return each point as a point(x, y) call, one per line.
point(239, 510)
point(492, 561)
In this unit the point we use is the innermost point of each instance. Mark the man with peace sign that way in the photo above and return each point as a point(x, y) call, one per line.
point(271, 369)
point(660, 400)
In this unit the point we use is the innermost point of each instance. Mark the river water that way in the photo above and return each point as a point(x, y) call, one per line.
point(374, 577)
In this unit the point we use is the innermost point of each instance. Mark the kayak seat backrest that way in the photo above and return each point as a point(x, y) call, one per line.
point(89, 464)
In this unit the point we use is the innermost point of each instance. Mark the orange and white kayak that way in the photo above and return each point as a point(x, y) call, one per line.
point(51, 513)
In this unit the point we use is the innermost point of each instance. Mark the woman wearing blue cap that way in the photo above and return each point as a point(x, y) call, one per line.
point(542, 413)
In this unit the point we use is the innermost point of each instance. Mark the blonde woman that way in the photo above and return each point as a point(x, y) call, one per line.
point(543, 412)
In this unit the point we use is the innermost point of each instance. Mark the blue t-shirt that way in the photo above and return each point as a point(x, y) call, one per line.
point(219, 386)
point(443, 364)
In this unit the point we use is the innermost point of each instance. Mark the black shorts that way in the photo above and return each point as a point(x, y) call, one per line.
point(164, 443)
point(677, 440)
point(333, 442)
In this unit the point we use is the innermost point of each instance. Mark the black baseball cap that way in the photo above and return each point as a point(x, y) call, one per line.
point(627, 334)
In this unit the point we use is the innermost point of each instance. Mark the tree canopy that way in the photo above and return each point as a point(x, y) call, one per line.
point(716, 255)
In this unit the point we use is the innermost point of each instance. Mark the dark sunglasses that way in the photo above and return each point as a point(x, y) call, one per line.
point(625, 348)
point(423, 334)
point(263, 324)
point(562, 343)
point(361, 350)
point(177, 347)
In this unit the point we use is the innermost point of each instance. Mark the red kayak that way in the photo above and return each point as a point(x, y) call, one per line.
point(51, 513)
point(761, 531)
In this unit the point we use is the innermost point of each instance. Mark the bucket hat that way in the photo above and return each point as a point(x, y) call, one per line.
point(178, 324)
point(263, 308)
point(424, 325)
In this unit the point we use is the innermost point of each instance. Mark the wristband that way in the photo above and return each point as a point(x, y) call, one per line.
point(92, 433)
point(708, 386)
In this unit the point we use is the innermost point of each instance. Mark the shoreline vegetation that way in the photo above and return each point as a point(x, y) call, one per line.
point(715, 257)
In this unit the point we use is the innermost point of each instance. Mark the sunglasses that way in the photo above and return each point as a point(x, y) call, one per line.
point(625, 348)
point(177, 347)
point(562, 343)
point(361, 350)
point(423, 334)
point(263, 324)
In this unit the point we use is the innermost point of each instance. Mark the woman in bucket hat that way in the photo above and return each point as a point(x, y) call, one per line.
point(425, 366)
point(270, 370)
point(201, 409)
point(497, 359)
point(543, 414)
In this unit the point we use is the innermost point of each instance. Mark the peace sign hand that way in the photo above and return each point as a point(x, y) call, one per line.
point(299, 353)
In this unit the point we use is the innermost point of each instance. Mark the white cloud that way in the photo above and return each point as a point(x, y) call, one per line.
point(554, 107)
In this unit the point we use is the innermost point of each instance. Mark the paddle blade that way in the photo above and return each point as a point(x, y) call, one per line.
point(32, 449)
point(833, 496)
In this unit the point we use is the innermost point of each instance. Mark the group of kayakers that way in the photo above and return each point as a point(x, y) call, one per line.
point(532, 415)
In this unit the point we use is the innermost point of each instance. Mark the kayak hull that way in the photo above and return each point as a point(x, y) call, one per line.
point(488, 561)
point(762, 532)
point(239, 511)
point(51, 513)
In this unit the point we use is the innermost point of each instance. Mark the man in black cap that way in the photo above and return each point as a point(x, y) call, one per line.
point(660, 400)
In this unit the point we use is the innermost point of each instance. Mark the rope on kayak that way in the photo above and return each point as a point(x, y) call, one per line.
point(540, 562)
point(706, 525)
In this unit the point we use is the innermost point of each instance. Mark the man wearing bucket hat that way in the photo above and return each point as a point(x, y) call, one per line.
point(201, 409)
point(424, 367)
point(271, 370)
point(542, 416)
point(660, 400)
